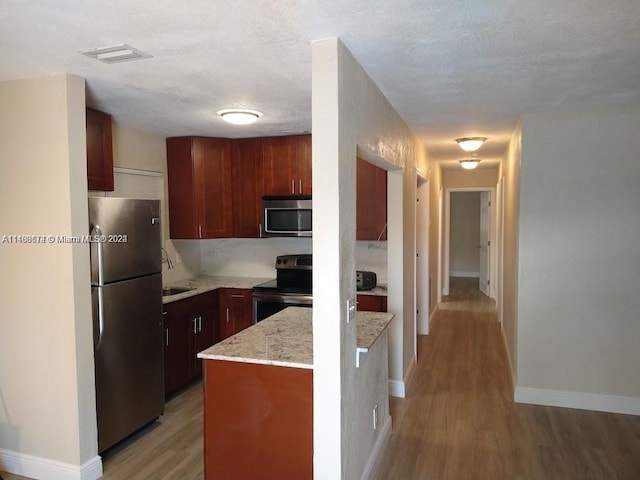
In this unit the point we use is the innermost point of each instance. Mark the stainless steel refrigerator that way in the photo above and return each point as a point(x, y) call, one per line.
point(126, 290)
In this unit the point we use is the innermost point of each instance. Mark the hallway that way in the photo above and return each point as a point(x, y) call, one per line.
point(459, 420)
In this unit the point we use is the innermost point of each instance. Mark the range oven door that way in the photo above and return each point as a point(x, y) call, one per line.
point(267, 304)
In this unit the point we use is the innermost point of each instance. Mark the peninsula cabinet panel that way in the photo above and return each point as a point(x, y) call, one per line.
point(258, 422)
point(287, 165)
point(200, 187)
point(99, 151)
point(247, 187)
point(371, 201)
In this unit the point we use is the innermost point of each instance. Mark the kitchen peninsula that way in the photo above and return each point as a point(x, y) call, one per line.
point(258, 394)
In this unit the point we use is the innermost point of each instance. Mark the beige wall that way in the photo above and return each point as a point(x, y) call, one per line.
point(435, 231)
point(140, 150)
point(510, 173)
point(578, 303)
point(47, 394)
point(465, 233)
point(460, 178)
point(349, 114)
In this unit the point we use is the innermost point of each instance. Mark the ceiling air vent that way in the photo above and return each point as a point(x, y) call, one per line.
point(116, 53)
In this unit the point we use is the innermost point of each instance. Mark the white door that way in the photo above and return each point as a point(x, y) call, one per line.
point(484, 244)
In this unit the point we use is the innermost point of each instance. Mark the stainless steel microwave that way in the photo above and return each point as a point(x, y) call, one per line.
point(286, 216)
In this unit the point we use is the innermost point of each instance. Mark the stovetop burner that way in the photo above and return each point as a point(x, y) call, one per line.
point(294, 276)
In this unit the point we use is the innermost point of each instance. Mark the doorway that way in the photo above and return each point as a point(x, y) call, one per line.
point(469, 243)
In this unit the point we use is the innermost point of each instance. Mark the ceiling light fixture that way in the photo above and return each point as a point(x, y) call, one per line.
point(470, 163)
point(471, 144)
point(239, 116)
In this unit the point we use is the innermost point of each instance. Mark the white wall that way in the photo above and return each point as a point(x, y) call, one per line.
point(578, 302)
point(47, 394)
point(465, 234)
point(349, 113)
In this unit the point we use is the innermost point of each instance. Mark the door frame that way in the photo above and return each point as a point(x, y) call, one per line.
point(421, 281)
point(446, 252)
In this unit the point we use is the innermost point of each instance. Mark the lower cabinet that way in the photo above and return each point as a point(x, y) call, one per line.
point(189, 327)
point(236, 310)
point(371, 303)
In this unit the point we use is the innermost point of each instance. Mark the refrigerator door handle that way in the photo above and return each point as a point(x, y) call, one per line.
point(100, 250)
point(100, 317)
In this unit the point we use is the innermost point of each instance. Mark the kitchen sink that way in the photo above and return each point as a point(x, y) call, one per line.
point(167, 291)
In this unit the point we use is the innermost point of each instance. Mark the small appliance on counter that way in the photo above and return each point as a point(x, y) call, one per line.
point(365, 280)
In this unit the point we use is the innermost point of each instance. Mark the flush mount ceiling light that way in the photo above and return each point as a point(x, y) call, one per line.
point(471, 144)
point(470, 163)
point(239, 116)
point(116, 53)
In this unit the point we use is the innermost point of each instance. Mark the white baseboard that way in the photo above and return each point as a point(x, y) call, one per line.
point(397, 388)
point(44, 468)
point(461, 273)
point(376, 454)
point(580, 400)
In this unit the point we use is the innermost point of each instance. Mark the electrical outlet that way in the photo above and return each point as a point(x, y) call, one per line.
point(217, 253)
point(375, 417)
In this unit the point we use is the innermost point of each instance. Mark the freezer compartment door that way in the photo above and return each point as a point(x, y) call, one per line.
point(125, 238)
point(129, 352)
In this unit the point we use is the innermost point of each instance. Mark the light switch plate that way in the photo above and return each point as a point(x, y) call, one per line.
point(351, 309)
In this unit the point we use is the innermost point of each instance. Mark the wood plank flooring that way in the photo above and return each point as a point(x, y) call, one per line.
point(458, 421)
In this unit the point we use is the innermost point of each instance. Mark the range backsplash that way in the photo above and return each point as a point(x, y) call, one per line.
point(246, 257)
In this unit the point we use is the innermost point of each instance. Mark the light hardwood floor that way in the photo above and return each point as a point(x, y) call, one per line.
point(458, 421)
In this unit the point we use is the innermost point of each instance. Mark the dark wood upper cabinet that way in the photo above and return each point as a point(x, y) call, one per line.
point(287, 165)
point(303, 155)
point(371, 201)
point(247, 187)
point(200, 187)
point(99, 151)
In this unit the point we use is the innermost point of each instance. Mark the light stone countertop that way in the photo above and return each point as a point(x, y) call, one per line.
point(206, 283)
point(379, 291)
point(286, 339)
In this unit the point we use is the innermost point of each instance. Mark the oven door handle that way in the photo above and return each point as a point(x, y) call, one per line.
point(286, 299)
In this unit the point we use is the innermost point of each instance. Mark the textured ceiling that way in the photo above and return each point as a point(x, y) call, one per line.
point(450, 68)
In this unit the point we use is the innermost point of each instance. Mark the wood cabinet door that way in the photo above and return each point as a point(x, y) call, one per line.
point(303, 157)
point(99, 151)
point(214, 201)
point(204, 328)
point(371, 303)
point(279, 161)
point(177, 338)
point(371, 201)
point(247, 187)
point(236, 311)
point(183, 221)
